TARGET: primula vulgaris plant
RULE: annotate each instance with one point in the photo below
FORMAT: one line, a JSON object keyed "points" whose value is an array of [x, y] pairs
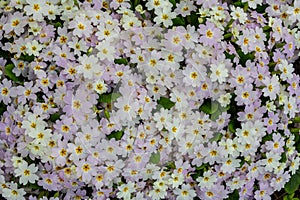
{"points": [[159, 99]]}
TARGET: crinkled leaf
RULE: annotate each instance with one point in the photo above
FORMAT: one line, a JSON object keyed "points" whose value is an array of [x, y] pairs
{"points": [[121, 61], [89, 51], [239, 4], [178, 21], [283, 158], [134, 3], [228, 35], [155, 158], [2, 108], [106, 114], [295, 130], [108, 98], [209, 107], [193, 19], [244, 57], [165, 102], [232, 125], [116, 134], [173, 2], [10, 74], [5, 54], [229, 56], [293, 184], [43, 194], [35, 186], [202, 167], [171, 165], [261, 8], [26, 57], [234, 195], [229, 25], [267, 137], [56, 195], [217, 137], [54, 117], [58, 24], [296, 120], [214, 116], [266, 28]]}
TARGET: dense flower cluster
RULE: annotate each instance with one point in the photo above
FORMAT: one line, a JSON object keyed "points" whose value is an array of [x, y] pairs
{"points": [[148, 99]]}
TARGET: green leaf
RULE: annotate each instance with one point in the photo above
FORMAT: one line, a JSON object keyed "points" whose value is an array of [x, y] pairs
{"points": [[5, 54], [108, 98], [171, 165], [56, 195], [217, 137], [246, 6], [54, 117], [2, 108], [10, 74], [121, 61], [283, 158], [173, 2], [58, 24], [35, 186], [229, 24], [209, 107], [89, 51], [216, 115], [193, 19], [267, 137], [295, 130], [266, 28], [76, 3], [106, 114], [229, 56], [261, 8], [41, 194], [293, 184], [155, 158], [165, 102], [228, 35], [135, 3], [202, 167], [26, 57], [290, 196], [178, 21], [232, 125], [116, 134], [244, 57], [233, 196], [296, 120]]}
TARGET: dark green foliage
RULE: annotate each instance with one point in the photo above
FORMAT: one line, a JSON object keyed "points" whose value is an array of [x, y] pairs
{"points": [[165, 102]]}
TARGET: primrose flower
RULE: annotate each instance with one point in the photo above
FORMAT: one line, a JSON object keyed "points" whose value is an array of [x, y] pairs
{"points": [[82, 27], [185, 193], [210, 35], [272, 87], [26, 173], [36, 9], [239, 14], [109, 99], [286, 69], [164, 16], [12, 192], [126, 190], [219, 72], [88, 66], [16, 23]]}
